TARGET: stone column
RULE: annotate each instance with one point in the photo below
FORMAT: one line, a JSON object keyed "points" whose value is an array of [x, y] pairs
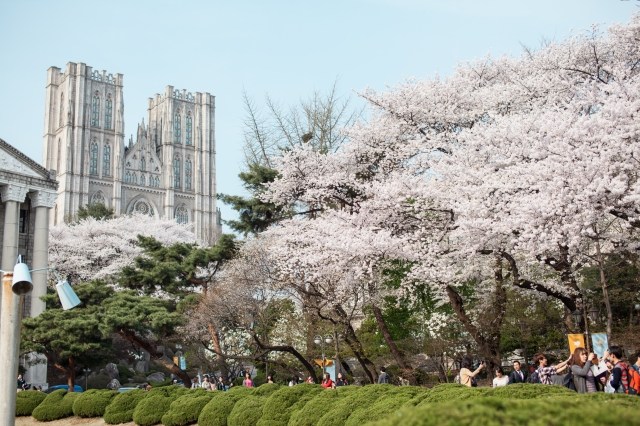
{"points": [[10, 312]]}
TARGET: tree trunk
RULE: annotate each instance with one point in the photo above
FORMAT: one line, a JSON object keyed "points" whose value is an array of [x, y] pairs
{"points": [[71, 377], [292, 351], [605, 291], [398, 355], [165, 360], [222, 362]]}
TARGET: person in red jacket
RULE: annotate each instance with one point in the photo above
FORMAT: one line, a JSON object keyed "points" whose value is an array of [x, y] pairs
{"points": [[327, 383]]}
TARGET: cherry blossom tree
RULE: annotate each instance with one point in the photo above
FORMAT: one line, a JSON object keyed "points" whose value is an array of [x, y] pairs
{"points": [[513, 171]]}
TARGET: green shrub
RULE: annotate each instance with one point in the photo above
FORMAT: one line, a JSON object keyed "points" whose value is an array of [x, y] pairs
{"points": [[247, 411], [57, 405], [186, 409], [98, 382], [266, 389], [492, 411], [365, 397], [387, 404], [122, 406], [150, 410], [216, 412], [28, 400], [138, 379], [286, 401], [313, 410], [125, 373], [454, 392], [529, 391], [92, 403]]}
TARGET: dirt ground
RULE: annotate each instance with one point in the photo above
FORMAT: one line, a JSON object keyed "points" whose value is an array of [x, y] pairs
{"points": [[71, 421]]}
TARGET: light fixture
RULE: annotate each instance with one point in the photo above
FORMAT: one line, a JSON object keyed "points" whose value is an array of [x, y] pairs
{"points": [[317, 340], [593, 313], [328, 339], [577, 315], [21, 279]]}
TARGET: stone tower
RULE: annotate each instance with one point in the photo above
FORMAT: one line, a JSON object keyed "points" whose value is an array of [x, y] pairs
{"points": [[167, 171]]}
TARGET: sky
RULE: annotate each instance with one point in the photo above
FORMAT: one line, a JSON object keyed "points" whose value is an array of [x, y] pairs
{"points": [[284, 48]]}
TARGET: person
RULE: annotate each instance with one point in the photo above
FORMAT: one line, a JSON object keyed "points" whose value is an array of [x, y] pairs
{"points": [[39, 389], [293, 381], [402, 381], [148, 388], [309, 380], [619, 375], [174, 382], [500, 379], [206, 384], [384, 376], [327, 383], [220, 384], [269, 379], [333, 385], [196, 383], [607, 378], [466, 376], [517, 375], [583, 378], [557, 379], [544, 372], [247, 380], [636, 364], [341, 381], [21, 383]]}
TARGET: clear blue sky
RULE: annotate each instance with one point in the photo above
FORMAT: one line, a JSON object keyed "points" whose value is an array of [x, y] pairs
{"points": [[284, 48]]}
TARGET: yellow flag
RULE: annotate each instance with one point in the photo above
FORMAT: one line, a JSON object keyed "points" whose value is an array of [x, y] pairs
{"points": [[576, 341], [327, 362]]}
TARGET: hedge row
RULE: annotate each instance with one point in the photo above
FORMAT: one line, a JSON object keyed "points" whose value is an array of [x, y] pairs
{"points": [[311, 405]]}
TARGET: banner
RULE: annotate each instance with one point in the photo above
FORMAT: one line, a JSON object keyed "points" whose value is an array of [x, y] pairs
{"points": [[600, 343], [576, 341]]}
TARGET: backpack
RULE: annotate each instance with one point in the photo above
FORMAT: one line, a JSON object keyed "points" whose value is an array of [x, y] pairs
{"points": [[634, 381], [534, 378], [624, 377], [567, 381]]}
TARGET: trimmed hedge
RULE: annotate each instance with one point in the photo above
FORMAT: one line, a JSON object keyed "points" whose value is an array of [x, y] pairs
{"points": [[150, 410], [339, 413], [387, 404], [453, 392], [57, 405], [286, 401], [27, 401], [216, 412], [186, 409], [123, 405], [311, 413], [93, 402], [620, 410], [247, 411]]}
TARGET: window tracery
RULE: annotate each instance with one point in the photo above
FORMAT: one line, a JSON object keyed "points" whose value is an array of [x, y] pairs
{"points": [[177, 130], [93, 159], [189, 137], [61, 120], [143, 180], [108, 113], [182, 215], [142, 206], [98, 198], [143, 164], [95, 110], [106, 160], [187, 174], [176, 171]]}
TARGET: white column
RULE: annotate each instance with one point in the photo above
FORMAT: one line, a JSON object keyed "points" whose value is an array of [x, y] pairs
{"points": [[10, 311], [41, 202]]}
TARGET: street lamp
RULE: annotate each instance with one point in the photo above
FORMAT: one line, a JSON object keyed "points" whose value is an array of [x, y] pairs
{"points": [[593, 313], [18, 283], [318, 340]]}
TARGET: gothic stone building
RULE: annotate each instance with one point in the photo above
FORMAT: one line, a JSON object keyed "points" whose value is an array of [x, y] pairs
{"points": [[167, 172]]}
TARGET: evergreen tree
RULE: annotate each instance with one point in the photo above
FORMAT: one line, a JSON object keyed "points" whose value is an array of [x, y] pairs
{"points": [[97, 211], [70, 340]]}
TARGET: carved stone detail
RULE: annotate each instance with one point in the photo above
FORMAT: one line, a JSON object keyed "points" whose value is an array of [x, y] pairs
{"points": [[12, 164], [43, 199], [13, 192]]}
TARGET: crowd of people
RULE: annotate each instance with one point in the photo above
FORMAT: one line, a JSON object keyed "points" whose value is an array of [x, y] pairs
{"points": [[585, 372]]}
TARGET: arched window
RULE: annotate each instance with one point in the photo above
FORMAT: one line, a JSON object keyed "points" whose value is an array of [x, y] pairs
{"points": [[61, 123], [189, 140], [106, 160], [176, 171], [127, 177], [134, 178], [187, 174], [98, 198], [95, 110], [177, 129], [156, 182], [143, 164], [108, 113], [182, 216], [93, 159], [59, 159], [143, 180]]}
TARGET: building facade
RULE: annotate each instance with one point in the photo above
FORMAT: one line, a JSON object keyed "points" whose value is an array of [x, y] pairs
{"points": [[28, 193], [167, 171]]}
